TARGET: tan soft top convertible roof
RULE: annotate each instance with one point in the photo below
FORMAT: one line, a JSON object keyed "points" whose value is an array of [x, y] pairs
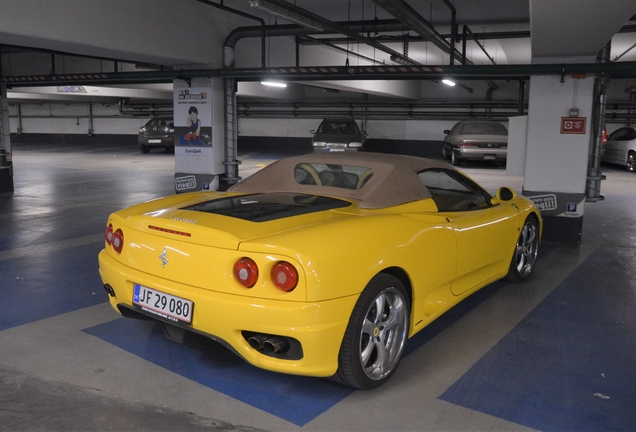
{"points": [[394, 180]]}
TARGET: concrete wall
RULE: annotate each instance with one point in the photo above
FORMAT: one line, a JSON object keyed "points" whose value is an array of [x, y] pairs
{"points": [[55, 118]]}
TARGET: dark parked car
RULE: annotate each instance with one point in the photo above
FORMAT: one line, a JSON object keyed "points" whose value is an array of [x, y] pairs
{"points": [[621, 148], [158, 132], [337, 134], [476, 140]]}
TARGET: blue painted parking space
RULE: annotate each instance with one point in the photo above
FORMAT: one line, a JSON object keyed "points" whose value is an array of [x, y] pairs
{"points": [[296, 399], [569, 365], [49, 283], [293, 398]]}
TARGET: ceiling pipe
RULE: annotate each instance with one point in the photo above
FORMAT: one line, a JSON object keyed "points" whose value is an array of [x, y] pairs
{"points": [[453, 37], [303, 104], [285, 14], [632, 99], [337, 48], [245, 15], [314, 109], [418, 38], [382, 115], [295, 30], [412, 19], [466, 31], [522, 97], [337, 28], [594, 175], [389, 25]]}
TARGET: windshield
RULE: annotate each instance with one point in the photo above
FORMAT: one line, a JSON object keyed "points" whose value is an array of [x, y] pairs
{"points": [[336, 127]]}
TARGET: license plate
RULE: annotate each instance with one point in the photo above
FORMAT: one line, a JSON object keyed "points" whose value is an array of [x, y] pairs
{"points": [[167, 306], [489, 157], [154, 141], [336, 150]]}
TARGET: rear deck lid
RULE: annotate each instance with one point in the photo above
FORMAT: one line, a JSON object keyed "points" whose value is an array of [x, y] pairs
{"points": [[227, 221]]}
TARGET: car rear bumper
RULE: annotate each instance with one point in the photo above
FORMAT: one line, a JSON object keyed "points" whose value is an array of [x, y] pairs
{"points": [[476, 153], [318, 326], [336, 148], [156, 141]]}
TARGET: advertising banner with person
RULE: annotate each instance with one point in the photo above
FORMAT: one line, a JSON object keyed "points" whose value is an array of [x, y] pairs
{"points": [[194, 155]]}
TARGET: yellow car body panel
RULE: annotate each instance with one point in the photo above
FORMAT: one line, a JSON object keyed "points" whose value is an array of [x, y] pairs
{"points": [[441, 258], [224, 316]]}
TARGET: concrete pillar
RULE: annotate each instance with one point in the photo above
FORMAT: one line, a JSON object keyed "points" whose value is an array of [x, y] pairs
{"points": [[517, 139], [199, 134], [6, 153], [557, 152]]}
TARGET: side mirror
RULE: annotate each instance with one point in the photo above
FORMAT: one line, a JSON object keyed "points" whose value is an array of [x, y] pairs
{"points": [[504, 194], [312, 131], [446, 131]]}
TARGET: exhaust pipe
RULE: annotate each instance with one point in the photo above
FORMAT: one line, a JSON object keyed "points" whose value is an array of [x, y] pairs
{"points": [[257, 340], [275, 344], [282, 347], [109, 290]]}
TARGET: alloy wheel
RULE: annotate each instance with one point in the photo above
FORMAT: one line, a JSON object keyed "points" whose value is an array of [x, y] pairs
{"points": [[383, 335], [526, 250]]}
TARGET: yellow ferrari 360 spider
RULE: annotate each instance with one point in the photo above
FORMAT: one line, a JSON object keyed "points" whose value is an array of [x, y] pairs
{"points": [[322, 264]]}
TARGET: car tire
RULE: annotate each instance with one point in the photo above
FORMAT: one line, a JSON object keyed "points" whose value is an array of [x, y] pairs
{"points": [[144, 149], [631, 162], [455, 161], [524, 257], [445, 153], [376, 335]]}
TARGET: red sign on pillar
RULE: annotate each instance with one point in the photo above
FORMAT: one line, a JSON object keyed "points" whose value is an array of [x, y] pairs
{"points": [[573, 125]]}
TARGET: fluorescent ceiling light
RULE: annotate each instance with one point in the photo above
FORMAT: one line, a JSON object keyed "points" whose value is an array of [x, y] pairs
{"points": [[286, 14], [274, 84], [448, 82]]}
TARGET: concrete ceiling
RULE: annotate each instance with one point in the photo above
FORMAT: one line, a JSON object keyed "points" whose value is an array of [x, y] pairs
{"points": [[575, 28], [561, 30]]}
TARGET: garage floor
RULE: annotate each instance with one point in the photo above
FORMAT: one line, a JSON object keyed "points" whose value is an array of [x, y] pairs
{"points": [[555, 353]]}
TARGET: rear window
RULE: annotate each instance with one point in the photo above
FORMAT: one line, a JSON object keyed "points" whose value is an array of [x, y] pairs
{"points": [[482, 129], [332, 175], [267, 207], [157, 121]]}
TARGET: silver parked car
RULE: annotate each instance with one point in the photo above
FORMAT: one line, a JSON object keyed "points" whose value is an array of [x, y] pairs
{"points": [[337, 134], [476, 140], [621, 148]]}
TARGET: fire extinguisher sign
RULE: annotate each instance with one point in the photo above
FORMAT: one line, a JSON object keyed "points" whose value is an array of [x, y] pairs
{"points": [[573, 125]]}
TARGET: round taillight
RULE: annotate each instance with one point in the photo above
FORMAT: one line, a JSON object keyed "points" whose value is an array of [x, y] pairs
{"points": [[285, 276], [246, 271], [118, 241], [108, 234]]}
